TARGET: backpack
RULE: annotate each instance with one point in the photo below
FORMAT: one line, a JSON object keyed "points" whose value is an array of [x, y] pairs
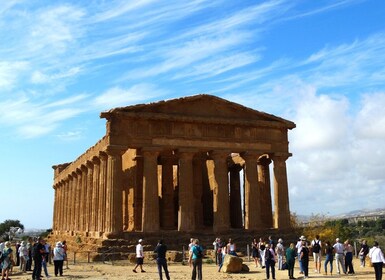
{"points": [[316, 247], [199, 253], [269, 255]]}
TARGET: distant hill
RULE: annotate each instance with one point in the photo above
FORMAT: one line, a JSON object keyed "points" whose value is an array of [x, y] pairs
{"points": [[348, 215]]}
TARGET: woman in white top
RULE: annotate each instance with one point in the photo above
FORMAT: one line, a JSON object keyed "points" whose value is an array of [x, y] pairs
{"points": [[58, 258], [377, 258], [23, 254], [231, 248]]}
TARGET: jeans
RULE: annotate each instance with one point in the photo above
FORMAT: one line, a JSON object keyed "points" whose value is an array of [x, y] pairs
{"points": [[340, 260], [44, 265], [280, 262], [305, 266], [197, 266], [37, 268], [300, 262], [162, 262], [349, 262], [270, 264], [329, 259], [378, 270]]}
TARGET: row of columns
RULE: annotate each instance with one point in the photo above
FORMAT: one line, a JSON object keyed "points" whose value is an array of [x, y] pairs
{"points": [[90, 198]]}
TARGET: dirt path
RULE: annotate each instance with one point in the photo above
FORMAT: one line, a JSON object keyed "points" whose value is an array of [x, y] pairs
{"points": [[120, 271]]}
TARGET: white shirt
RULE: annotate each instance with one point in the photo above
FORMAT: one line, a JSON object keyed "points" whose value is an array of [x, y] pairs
{"points": [[376, 255], [2, 245], [139, 251], [299, 246]]}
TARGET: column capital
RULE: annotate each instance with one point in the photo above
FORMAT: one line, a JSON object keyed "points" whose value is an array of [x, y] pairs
{"points": [[250, 155], [186, 153], [115, 150], [280, 157], [103, 155], [264, 160], [219, 154], [84, 168], [89, 164], [95, 160]]}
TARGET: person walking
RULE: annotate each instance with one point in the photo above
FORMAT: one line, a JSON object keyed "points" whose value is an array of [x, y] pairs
{"points": [[304, 256], [299, 248], [270, 261], [364, 250], [316, 247], [139, 256], [38, 252], [23, 254], [378, 260], [291, 253], [329, 253], [195, 260], [58, 259], [161, 260], [339, 255]]}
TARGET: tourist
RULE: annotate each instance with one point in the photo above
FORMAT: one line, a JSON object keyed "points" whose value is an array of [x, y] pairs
{"points": [[316, 246], [349, 257], [161, 260], [269, 261], [38, 251], [23, 255], [139, 256], [280, 252], [6, 265], [58, 259], [364, 250], [377, 258], [65, 248], [195, 260], [304, 257], [329, 253], [231, 248], [17, 246], [262, 247], [44, 259], [291, 253], [28, 266], [299, 247], [217, 249], [255, 251], [272, 243], [223, 254], [339, 256], [191, 244]]}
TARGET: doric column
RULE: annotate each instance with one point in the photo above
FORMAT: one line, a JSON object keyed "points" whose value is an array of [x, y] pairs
{"points": [[220, 186], [186, 221], [61, 206], [138, 194], [83, 198], [150, 209], [102, 192], [89, 194], [65, 204], [114, 211], [95, 194], [74, 212], [167, 210], [54, 220], [264, 182], [78, 200], [198, 161], [281, 192], [235, 197], [252, 193], [69, 202]]}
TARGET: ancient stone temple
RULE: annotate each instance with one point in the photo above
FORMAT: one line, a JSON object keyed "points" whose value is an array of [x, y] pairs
{"points": [[187, 164]]}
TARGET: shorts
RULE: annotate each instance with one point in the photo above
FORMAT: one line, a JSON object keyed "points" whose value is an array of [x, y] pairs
{"points": [[317, 257], [139, 260]]}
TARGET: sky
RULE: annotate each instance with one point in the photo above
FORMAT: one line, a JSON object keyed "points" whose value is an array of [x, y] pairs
{"points": [[320, 64]]}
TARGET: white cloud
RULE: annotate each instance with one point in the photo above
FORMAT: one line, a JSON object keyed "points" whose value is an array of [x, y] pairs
{"points": [[119, 97], [10, 72]]}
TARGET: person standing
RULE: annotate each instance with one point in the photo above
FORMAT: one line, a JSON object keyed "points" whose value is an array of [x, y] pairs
{"points": [[262, 248], [58, 258], [339, 254], [65, 248], [363, 252], [217, 247], [161, 260], [17, 246], [349, 257], [6, 265], [304, 256], [139, 256], [378, 260], [291, 253], [255, 251], [299, 247], [270, 261], [329, 252], [23, 254], [29, 261], [280, 252], [38, 252], [316, 247], [231, 248], [195, 260]]}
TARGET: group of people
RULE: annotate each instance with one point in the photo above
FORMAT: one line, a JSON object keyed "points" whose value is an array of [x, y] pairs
{"points": [[36, 252]]}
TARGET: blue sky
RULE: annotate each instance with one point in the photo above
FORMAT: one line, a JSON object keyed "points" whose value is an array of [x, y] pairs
{"points": [[318, 63]]}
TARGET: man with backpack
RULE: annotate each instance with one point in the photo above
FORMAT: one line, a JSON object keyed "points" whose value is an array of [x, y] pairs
{"points": [[316, 246], [195, 260]]}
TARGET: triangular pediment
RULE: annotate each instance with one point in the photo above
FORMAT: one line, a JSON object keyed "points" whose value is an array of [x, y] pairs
{"points": [[203, 106]]}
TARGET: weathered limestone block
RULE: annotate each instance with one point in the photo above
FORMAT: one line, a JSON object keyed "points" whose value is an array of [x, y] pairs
{"points": [[174, 256], [232, 264], [245, 268]]}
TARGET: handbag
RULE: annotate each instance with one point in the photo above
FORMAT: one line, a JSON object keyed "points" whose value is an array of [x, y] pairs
{"points": [[284, 266]]}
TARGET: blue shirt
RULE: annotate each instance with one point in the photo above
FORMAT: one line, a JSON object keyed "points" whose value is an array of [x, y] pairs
{"points": [[195, 249]]}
